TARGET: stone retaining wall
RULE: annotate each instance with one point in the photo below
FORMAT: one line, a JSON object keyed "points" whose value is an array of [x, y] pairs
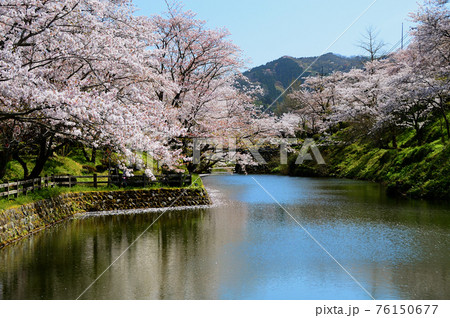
{"points": [[22, 221]]}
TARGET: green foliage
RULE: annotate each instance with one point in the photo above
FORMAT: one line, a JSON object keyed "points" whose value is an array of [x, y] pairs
{"points": [[276, 76], [31, 197], [73, 163], [411, 170], [70, 161], [63, 165], [44, 194], [197, 182], [14, 171]]}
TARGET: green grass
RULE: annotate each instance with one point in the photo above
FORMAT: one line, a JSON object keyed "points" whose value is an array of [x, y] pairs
{"points": [[14, 171], [197, 182], [419, 171], [45, 194], [63, 166], [30, 198], [412, 170], [70, 162]]}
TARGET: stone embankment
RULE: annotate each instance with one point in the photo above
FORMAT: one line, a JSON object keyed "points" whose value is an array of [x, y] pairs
{"points": [[20, 222]]}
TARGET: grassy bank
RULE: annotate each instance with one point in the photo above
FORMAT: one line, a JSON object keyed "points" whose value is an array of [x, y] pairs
{"points": [[65, 162], [45, 194], [412, 170], [73, 162]]}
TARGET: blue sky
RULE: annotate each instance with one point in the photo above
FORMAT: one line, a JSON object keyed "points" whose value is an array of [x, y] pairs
{"points": [[266, 30]]}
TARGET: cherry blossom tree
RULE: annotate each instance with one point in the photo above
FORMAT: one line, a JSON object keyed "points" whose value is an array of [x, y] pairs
{"points": [[315, 100], [91, 72], [205, 90], [417, 84], [76, 71], [406, 92], [431, 47]]}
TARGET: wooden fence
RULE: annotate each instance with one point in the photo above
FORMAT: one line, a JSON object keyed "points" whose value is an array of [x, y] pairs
{"points": [[15, 189], [223, 171]]}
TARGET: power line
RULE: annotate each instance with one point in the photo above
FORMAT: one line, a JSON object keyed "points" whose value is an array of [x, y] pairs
{"points": [[402, 43]]}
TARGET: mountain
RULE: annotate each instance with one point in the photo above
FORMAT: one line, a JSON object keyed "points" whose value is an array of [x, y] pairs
{"points": [[276, 76]]}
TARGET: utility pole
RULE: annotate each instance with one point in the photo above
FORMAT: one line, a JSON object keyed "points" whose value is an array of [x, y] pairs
{"points": [[402, 34]]}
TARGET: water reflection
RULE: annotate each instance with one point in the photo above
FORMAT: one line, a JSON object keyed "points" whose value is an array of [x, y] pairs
{"points": [[246, 247]]}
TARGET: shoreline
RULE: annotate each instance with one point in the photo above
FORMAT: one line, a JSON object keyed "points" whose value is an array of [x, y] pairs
{"points": [[21, 222]]}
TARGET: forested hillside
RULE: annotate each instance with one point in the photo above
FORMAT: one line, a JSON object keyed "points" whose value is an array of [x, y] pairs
{"points": [[276, 76]]}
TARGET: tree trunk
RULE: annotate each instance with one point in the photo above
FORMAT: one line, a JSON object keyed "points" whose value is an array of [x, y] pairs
{"points": [[418, 130], [442, 103], [94, 155], [44, 153], [394, 141], [85, 154], [46, 150], [190, 167], [23, 164], [419, 137], [447, 124], [5, 158]]}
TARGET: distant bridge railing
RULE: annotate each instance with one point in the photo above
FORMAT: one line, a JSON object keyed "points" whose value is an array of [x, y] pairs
{"points": [[17, 188], [223, 171]]}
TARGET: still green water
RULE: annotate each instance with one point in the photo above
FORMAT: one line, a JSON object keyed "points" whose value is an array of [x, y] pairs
{"points": [[245, 247]]}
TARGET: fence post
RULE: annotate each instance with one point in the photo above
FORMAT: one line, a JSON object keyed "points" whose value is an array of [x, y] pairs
{"points": [[7, 190], [70, 181], [95, 181], [16, 195], [40, 183], [52, 181]]}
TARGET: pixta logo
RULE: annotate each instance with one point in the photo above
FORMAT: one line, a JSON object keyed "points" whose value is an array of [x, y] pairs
{"points": [[227, 150]]}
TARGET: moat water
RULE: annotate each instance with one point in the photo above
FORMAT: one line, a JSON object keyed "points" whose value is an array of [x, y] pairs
{"points": [[273, 243]]}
